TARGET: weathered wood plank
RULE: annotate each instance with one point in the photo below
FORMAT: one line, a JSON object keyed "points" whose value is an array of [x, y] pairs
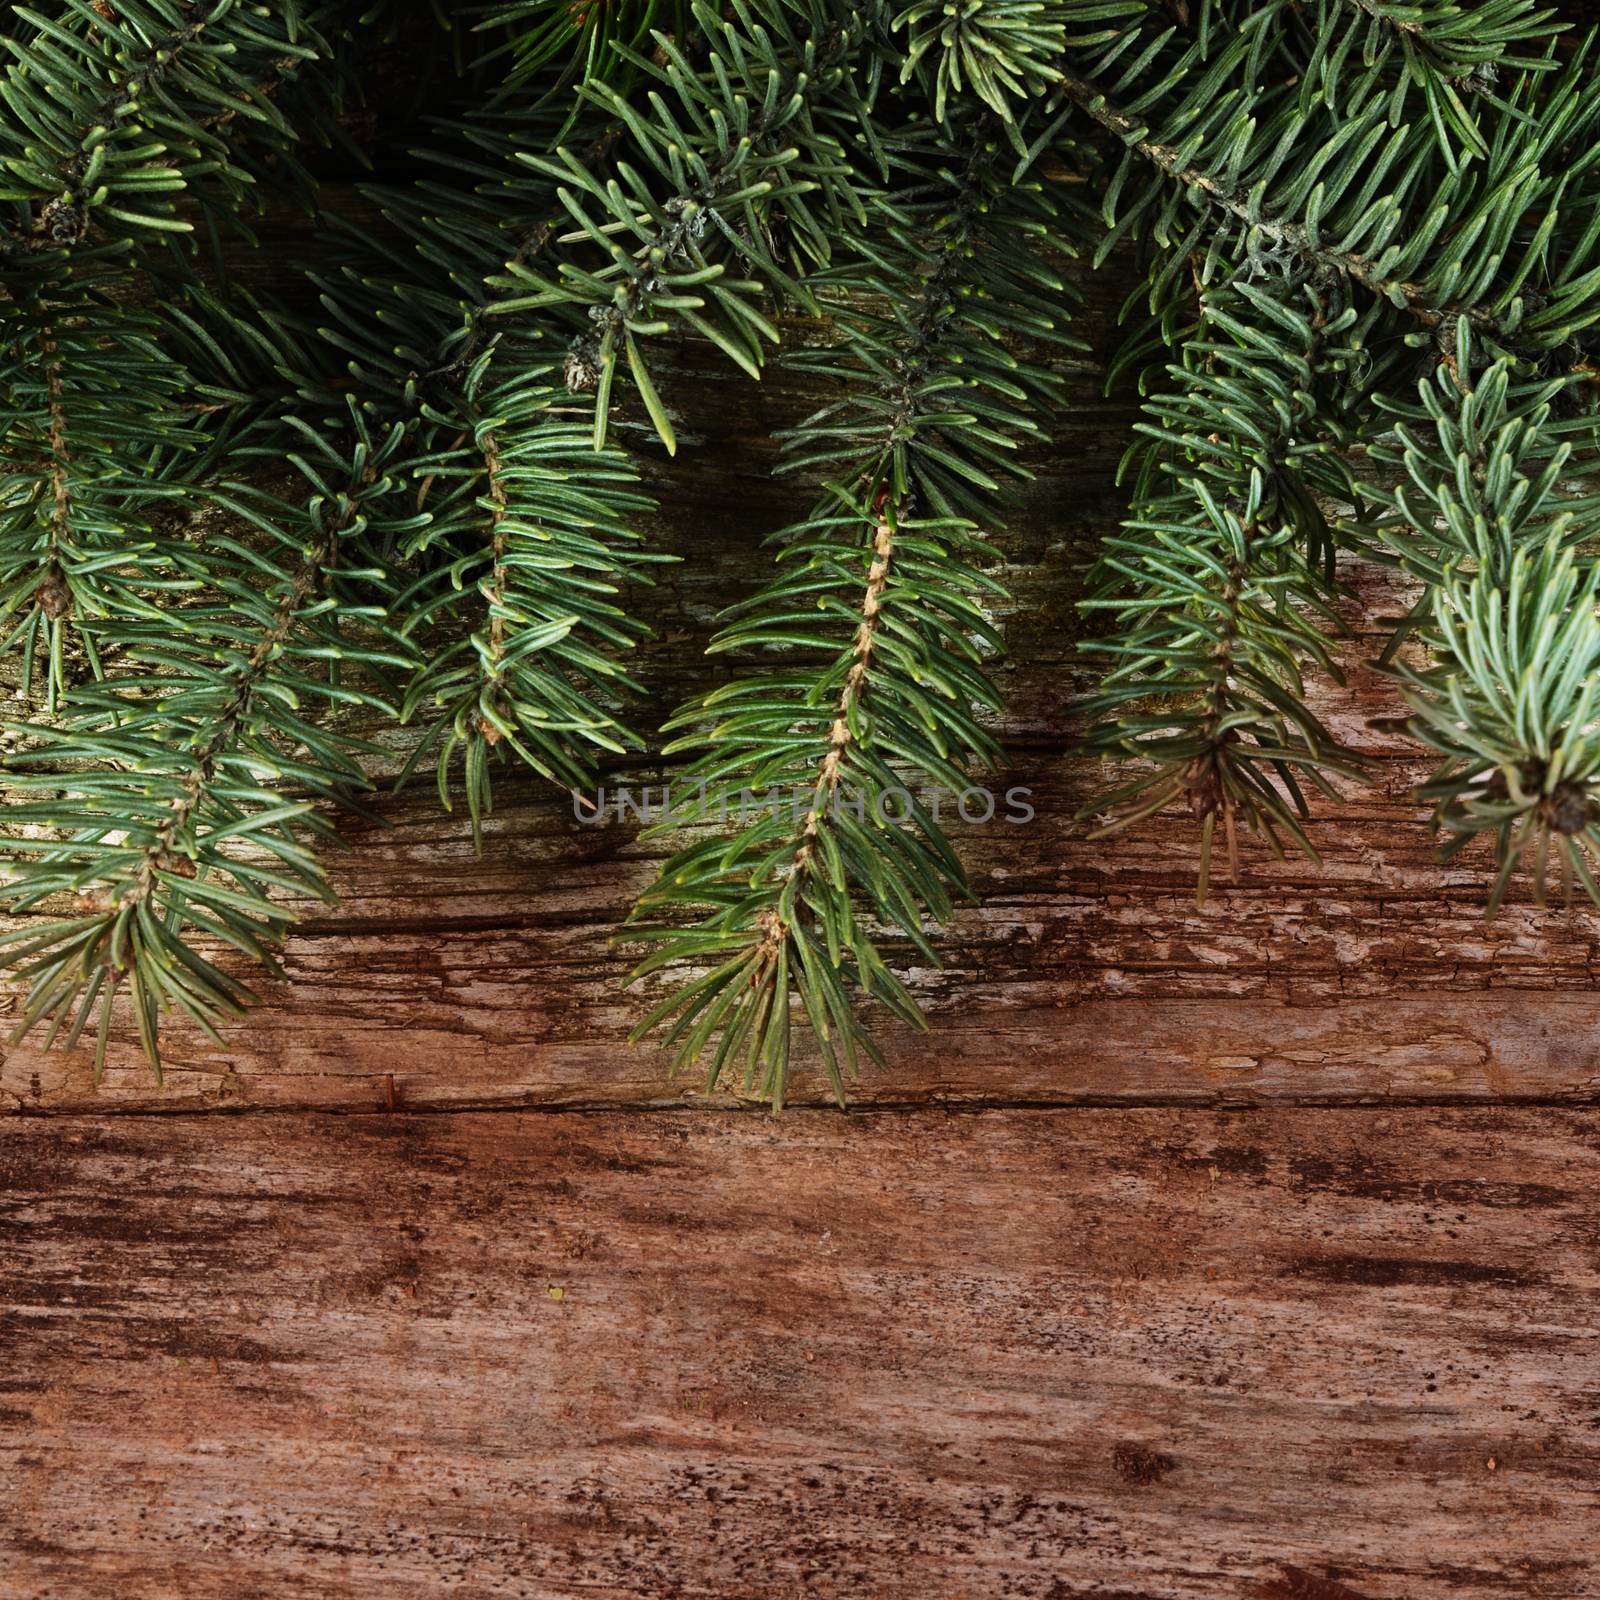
{"points": [[1149, 1354], [1086, 973]]}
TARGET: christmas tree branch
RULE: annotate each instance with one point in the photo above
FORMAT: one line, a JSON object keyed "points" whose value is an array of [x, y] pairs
{"points": [[127, 109], [787, 905], [544, 532], [1248, 207], [89, 413], [524, 532], [722, 152], [1271, 168], [156, 813], [1221, 573], [1505, 690]]}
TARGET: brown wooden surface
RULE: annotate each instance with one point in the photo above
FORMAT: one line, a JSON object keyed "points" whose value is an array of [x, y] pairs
{"points": [[1024, 1354], [1084, 1333]]}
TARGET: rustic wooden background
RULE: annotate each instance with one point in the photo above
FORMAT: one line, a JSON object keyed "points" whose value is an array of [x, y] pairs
{"points": [[1250, 1250]]}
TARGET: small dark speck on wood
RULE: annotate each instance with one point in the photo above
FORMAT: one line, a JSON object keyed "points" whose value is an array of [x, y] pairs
{"points": [[1298, 1584], [1139, 1464]]}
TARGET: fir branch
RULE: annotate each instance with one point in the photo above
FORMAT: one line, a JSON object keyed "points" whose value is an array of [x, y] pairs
{"points": [[1512, 708], [1262, 174], [1244, 205], [1505, 692], [724, 149], [786, 907], [540, 531], [1221, 575], [53, 596], [499, 548], [119, 115], [89, 414], [1473, 473], [157, 813], [526, 533]]}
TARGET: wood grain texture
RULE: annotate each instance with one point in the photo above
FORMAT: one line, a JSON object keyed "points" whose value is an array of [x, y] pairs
{"points": [[1125, 1354]]}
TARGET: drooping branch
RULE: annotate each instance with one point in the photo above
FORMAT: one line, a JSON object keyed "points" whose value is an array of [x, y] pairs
{"points": [[789, 906]]}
